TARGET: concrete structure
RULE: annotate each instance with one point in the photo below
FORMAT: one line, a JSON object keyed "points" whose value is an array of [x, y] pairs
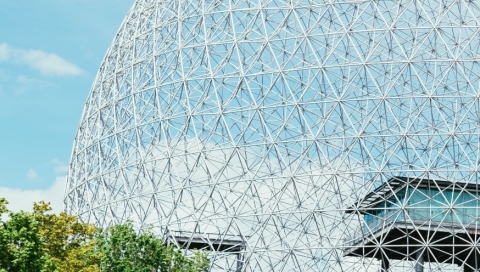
{"points": [[212, 242], [420, 219]]}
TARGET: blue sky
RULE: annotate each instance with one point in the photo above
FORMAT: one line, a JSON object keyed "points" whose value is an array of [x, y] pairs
{"points": [[50, 51]]}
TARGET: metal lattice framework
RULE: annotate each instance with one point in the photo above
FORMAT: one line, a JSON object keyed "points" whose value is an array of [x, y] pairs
{"points": [[257, 128]]}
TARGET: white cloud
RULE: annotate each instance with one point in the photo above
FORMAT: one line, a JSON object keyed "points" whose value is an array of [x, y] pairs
{"points": [[59, 166], [49, 64], [25, 83], [46, 63], [23, 199], [32, 174], [4, 52], [61, 169]]}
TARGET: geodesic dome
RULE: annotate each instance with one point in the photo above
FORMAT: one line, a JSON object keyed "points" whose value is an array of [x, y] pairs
{"points": [[259, 130]]}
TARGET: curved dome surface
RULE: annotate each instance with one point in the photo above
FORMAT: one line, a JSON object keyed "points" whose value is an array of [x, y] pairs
{"points": [[254, 127]]}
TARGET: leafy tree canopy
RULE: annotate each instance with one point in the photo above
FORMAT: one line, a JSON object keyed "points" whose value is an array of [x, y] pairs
{"points": [[42, 241], [126, 251], [46, 242]]}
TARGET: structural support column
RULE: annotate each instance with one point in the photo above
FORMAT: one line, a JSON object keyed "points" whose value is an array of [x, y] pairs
{"points": [[385, 263], [467, 268], [239, 262], [473, 263], [420, 261]]}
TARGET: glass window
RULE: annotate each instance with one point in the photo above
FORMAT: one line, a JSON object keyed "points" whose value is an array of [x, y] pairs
{"points": [[466, 207], [419, 204], [385, 212], [426, 204], [437, 206]]}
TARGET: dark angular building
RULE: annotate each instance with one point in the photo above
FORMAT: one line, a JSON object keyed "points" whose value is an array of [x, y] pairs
{"points": [[422, 220]]}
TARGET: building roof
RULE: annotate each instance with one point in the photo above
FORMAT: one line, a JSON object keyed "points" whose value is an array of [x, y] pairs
{"points": [[397, 183]]}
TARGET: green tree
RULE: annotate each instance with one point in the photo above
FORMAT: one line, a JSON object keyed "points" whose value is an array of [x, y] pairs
{"points": [[45, 242], [21, 246], [124, 250], [69, 243]]}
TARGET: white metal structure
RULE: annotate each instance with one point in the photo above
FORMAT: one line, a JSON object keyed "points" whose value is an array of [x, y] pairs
{"points": [[254, 128]]}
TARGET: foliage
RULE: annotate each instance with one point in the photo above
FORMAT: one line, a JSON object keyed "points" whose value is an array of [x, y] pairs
{"points": [[70, 243], [21, 246], [124, 250], [46, 242]]}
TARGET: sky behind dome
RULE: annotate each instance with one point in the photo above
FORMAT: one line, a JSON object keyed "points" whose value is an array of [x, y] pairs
{"points": [[50, 52]]}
